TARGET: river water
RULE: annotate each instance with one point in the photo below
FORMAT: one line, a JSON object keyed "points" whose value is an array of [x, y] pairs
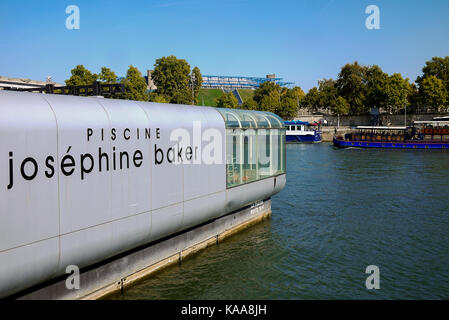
{"points": [[341, 211]]}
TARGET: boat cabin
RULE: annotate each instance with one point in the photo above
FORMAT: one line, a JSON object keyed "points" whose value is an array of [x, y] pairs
{"points": [[381, 134], [297, 127], [435, 130]]}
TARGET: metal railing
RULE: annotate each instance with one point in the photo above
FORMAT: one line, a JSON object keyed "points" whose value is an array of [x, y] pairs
{"points": [[95, 89]]}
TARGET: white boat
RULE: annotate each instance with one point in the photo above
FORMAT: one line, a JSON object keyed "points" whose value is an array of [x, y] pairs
{"points": [[301, 132]]}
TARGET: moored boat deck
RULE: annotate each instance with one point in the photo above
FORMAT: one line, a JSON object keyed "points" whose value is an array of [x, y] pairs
{"points": [[432, 135], [408, 144]]}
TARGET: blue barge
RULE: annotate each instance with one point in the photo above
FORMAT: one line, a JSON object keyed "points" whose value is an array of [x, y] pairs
{"points": [[422, 135]]}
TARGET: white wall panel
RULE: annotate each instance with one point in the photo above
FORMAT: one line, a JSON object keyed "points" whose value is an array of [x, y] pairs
{"points": [[203, 209], [166, 180], [86, 247], [166, 221], [25, 266], [246, 194], [130, 184], [83, 202], [28, 208], [131, 232]]}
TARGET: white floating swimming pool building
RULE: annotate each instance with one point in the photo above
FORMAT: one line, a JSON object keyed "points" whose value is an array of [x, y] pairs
{"points": [[86, 180]]}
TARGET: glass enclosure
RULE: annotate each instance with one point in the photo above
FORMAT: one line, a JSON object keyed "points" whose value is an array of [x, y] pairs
{"points": [[255, 145]]}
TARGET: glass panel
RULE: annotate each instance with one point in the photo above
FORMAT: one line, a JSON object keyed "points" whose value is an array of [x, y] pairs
{"points": [[250, 119], [278, 160], [262, 120], [264, 159], [275, 120], [283, 150], [233, 157], [250, 156]]}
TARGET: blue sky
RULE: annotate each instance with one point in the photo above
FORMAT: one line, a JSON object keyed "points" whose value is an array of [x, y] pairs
{"points": [[300, 41]]}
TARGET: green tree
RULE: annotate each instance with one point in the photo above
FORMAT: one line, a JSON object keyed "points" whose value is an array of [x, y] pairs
{"points": [[265, 89], [107, 76], [268, 96], [154, 97], [81, 77], [250, 104], [433, 93], [172, 77], [227, 100], [198, 82], [341, 106], [181, 96], [312, 100], [328, 93], [135, 85], [396, 92], [288, 109], [270, 102], [351, 86], [437, 67], [327, 98], [290, 102], [375, 82], [413, 95], [298, 94]]}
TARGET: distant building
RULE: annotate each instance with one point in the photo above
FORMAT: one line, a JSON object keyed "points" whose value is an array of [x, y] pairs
{"points": [[239, 82], [150, 83], [227, 82], [6, 82]]}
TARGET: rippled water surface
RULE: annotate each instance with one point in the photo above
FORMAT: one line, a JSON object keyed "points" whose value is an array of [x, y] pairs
{"points": [[341, 211]]}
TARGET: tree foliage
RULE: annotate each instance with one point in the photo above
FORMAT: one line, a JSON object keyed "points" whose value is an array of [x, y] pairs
{"points": [[172, 76], [328, 93], [290, 102], [135, 85], [351, 86], [430, 91], [375, 82], [395, 93], [341, 106], [250, 104], [81, 77], [312, 100], [437, 67], [266, 90], [107, 76], [433, 93], [197, 83], [283, 101], [154, 97], [227, 100], [359, 88]]}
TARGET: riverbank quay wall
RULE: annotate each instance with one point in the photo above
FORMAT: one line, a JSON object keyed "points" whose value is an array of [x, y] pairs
{"points": [[328, 133], [83, 180], [365, 120], [347, 122]]}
